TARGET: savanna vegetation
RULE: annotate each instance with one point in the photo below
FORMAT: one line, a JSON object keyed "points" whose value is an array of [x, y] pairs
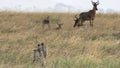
{"points": [[84, 47]]}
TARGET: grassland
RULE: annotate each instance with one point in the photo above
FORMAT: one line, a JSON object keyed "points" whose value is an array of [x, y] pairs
{"points": [[84, 47]]}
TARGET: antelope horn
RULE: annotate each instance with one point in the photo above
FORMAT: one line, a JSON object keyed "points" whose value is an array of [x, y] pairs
{"points": [[76, 17], [97, 2]]}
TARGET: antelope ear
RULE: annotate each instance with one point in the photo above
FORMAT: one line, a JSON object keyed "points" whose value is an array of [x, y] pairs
{"points": [[92, 2]]}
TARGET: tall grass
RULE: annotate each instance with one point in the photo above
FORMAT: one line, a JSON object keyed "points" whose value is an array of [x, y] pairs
{"points": [[84, 47]]}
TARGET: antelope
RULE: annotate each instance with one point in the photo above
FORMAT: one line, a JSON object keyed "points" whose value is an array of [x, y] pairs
{"points": [[46, 22], [90, 15]]}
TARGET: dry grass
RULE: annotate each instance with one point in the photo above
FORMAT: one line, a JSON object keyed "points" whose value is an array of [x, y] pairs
{"points": [[84, 47]]}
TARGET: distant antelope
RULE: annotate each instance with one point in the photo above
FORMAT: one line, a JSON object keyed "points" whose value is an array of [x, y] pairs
{"points": [[90, 15], [46, 22], [59, 26]]}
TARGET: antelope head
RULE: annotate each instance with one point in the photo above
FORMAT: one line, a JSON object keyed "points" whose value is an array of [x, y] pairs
{"points": [[76, 21], [76, 18], [95, 4]]}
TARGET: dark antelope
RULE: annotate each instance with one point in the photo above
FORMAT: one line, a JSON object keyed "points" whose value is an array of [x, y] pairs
{"points": [[90, 15], [46, 22]]}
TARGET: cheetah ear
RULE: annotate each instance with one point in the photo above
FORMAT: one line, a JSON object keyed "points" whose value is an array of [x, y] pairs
{"points": [[42, 43], [38, 44]]}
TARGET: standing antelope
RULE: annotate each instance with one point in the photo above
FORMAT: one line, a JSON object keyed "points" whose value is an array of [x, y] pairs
{"points": [[90, 15], [46, 22]]}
